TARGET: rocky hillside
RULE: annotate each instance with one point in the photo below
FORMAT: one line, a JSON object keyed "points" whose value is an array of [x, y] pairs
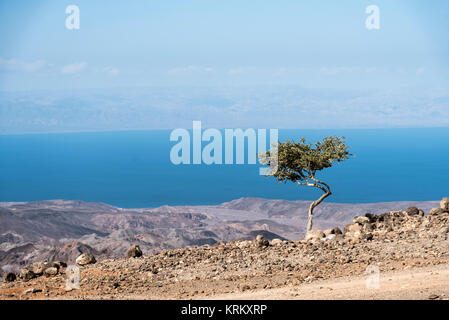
{"points": [[400, 239], [62, 229]]}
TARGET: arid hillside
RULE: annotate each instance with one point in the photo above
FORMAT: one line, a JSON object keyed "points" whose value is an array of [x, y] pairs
{"points": [[63, 229], [398, 244]]}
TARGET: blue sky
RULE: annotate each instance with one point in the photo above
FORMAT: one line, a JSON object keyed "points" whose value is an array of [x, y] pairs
{"points": [[162, 64], [319, 44]]}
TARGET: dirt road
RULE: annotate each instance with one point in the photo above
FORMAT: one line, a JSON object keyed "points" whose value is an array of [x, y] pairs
{"points": [[418, 283]]}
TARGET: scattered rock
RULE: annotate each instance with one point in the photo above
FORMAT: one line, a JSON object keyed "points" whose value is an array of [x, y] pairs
{"points": [[352, 228], [26, 274], [244, 244], [314, 235], [331, 236], [412, 211], [59, 264], [32, 290], [134, 252], [85, 258], [444, 204], [436, 212], [51, 271], [394, 240], [335, 230], [276, 242], [261, 241], [37, 268], [360, 220]]}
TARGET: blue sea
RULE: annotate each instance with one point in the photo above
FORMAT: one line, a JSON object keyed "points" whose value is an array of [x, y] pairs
{"points": [[133, 169]]}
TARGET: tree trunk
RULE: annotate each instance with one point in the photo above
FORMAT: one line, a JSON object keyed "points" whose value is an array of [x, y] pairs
{"points": [[312, 206]]}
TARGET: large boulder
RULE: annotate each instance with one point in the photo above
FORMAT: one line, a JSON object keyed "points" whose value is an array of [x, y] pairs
{"points": [[412, 211], [361, 220], [335, 231], [9, 277], [134, 252], [352, 228], [59, 264], [435, 211], [38, 268], [261, 241], [85, 258], [444, 204], [51, 271], [26, 274]]}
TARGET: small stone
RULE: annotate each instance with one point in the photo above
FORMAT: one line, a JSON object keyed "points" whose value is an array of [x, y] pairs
{"points": [[85, 258], [134, 252], [276, 242], [331, 236], [433, 297], [328, 232]]}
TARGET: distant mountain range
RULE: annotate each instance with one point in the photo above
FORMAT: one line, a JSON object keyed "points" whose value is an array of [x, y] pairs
{"points": [[282, 107], [62, 229]]}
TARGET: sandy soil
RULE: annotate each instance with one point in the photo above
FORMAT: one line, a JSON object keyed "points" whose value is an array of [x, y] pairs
{"points": [[417, 283]]}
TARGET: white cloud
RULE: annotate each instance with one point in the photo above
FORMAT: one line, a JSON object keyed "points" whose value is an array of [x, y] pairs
{"points": [[189, 70], [112, 71], [22, 66], [74, 68]]}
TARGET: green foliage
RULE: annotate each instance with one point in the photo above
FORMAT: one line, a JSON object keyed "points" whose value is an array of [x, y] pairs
{"points": [[298, 161]]}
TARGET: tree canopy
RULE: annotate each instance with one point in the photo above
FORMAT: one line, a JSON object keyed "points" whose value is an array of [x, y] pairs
{"points": [[299, 161]]}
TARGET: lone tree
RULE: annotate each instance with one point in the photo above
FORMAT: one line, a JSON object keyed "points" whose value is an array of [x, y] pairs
{"points": [[299, 162]]}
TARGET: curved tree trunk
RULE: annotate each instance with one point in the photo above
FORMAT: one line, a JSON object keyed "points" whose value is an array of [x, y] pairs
{"points": [[313, 205]]}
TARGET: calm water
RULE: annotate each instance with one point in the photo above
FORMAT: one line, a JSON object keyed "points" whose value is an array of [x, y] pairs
{"points": [[133, 169]]}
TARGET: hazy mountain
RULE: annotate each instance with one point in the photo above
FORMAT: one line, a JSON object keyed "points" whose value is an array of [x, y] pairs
{"points": [[62, 229], [280, 107]]}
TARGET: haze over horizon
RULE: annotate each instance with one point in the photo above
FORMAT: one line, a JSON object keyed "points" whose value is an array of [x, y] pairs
{"points": [[150, 65]]}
